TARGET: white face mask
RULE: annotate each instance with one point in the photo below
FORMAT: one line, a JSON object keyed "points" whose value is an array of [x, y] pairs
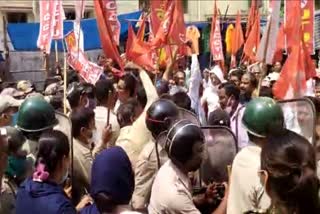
{"points": [[229, 106], [94, 137], [64, 178]]}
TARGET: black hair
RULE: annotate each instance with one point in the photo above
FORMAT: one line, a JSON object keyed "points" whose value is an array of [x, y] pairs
{"points": [[81, 118], [53, 146], [238, 73], [266, 92], [142, 96], [182, 100], [290, 161], [73, 95], [126, 112], [129, 83], [72, 76], [88, 89], [162, 87], [57, 102], [231, 90], [103, 88], [253, 79], [219, 117]]}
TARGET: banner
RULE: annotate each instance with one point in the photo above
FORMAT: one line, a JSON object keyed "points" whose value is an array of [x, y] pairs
{"points": [[89, 71], [47, 11], [59, 16], [106, 35], [307, 21], [110, 14], [216, 48]]}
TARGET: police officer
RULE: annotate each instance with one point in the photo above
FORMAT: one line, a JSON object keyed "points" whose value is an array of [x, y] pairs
{"points": [[159, 116], [36, 115], [262, 117], [172, 189]]}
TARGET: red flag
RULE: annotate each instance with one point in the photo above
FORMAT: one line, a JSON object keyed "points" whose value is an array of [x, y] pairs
{"points": [[253, 40], [109, 8], [142, 29], [237, 40], [158, 11], [299, 66], [172, 29], [106, 34], [215, 37], [252, 16], [139, 51], [280, 46]]}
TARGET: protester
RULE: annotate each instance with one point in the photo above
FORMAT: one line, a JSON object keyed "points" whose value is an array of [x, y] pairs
{"points": [[229, 98], [35, 116], [172, 189], [210, 99], [159, 116], [289, 174], [111, 187], [235, 76], [104, 112], [126, 88], [262, 117], [182, 100], [206, 81], [42, 192], [84, 137], [247, 86], [139, 118], [8, 110]]}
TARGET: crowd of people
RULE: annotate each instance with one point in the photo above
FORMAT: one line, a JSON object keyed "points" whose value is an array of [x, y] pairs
{"points": [[128, 148]]}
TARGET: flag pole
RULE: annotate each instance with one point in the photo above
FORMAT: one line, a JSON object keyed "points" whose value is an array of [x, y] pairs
{"points": [[56, 50]]}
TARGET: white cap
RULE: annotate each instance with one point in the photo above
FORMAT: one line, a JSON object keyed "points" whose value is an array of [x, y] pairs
{"points": [[7, 102], [12, 92], [218, 72]]}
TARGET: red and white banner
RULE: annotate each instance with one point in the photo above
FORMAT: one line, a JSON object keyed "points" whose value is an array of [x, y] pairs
{"points": [[89, 71], [307, 22], [216, 48], [59, 16], [110, 14], [47, 11]]}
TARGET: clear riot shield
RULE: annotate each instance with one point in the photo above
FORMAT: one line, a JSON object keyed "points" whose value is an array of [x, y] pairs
{"points": [[221, 148], [300, 117], [64, 125], [188, 115]]}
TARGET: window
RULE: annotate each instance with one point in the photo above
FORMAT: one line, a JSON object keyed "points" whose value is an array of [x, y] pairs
{"points": [[185, 6], [17, 17], [71, 15]]}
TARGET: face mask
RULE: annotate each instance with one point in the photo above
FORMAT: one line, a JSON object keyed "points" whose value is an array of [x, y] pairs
{"points": [[14, 119], [93, 138], [229, 106], [16, 166], [64, 178]]}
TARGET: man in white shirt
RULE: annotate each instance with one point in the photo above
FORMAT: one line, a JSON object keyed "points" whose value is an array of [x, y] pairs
{"points": [[210, 97], [262, 117], [104, 115]]}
